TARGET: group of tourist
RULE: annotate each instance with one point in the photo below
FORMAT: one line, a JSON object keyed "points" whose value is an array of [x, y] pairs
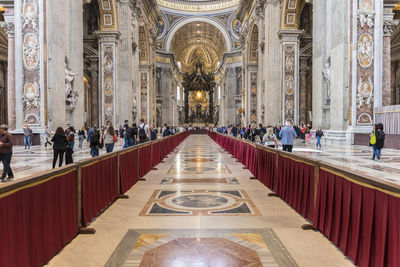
{"points": [[270, 135]]}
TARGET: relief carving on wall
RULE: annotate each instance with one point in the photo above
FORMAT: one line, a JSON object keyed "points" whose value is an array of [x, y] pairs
{"points": [[31, 60], [253, 96], [289, 81], [143, 95], [365, 60], [108, 81]]}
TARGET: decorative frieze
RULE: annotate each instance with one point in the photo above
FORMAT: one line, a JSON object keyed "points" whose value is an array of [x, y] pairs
{"points": [[289, 81], [143, 94], [253, 96]]}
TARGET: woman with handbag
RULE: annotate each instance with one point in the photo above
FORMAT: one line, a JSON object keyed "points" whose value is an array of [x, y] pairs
{"points": [[70, 145], [109, 139], [59, 146]]}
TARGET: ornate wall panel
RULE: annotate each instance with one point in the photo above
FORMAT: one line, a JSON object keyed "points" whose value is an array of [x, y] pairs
{"points": [[31, 59], [365, 62], [108, 81], [253, 96], [144, 83], [108, 15], [289, 52]]}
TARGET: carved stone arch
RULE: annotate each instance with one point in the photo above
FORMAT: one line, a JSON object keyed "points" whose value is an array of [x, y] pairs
{"points": [[108, 15], [291, 11]]}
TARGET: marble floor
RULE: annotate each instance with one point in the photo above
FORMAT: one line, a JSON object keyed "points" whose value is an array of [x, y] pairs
{"points": [[200, 208]]}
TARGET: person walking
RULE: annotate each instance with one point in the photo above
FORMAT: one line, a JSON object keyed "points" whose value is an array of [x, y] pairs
{"points": [[27, 136], [377, 141], [318, 134], [154, 132], [47, 137], [81, 137], [110, 138], [124, 133], [288, 134], [143, 132], [60, 142], [269, 139], [94, 142], [6, 147], [70, 146]]}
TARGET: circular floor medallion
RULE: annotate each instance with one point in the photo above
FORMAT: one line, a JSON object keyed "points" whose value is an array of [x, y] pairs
{"points": [[200, 201]]}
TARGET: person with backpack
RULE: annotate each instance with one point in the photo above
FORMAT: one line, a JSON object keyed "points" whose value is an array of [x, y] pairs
{"points": [[94, 142], [143, 132], [131, 135], [318, 134], [377, 141], [154, 132]]}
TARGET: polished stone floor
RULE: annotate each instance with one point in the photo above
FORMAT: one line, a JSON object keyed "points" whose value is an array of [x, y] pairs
{"points": [[200, 208]]}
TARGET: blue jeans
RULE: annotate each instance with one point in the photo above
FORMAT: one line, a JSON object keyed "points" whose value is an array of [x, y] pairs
{"points": [[81, 138], [125, 143], [319, 141], [131, 142], [94, 151], [27, 141], [109, 147], [376, 152]]}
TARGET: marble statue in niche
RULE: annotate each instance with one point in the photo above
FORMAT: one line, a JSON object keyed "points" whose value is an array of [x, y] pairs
{"points": [[326, 72], [31, 96], [31, 51], [365, 50], [30, 16], [71, 93]]}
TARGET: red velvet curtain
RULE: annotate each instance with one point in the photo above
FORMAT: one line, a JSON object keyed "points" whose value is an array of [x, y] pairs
{"points": [[99, 187], [295, 185], [363, 222], [145, 163], [252, 159], [156, 153], [37, 221], [128, 170], [266, 167]]}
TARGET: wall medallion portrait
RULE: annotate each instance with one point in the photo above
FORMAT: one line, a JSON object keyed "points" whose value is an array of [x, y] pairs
{"points": [[31, 51], [365, 50], [364, 119], [289, 84], [31, 96], [366, 5], [30, 15]]}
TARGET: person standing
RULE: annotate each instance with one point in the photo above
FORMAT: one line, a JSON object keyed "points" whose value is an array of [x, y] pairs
{"points": [[288, 134], [143, 132], [94, 142], [47, 136], [70, 146], [27, 136], [124, 134], [377, 141], [89, 133], [81, 137], [59, 146], [6, 147], [109, 139], [318, 134], [154, 132]]}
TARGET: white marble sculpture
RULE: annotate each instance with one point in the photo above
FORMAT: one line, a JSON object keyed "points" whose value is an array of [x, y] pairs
{"points": [[71, 93], [326, 72]]}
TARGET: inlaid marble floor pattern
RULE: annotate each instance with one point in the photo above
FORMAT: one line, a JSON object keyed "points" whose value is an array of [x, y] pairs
{"points": [[199, 208]]}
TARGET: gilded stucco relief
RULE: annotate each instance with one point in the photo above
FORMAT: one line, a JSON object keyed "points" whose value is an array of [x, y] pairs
{"points": [[108, 81], [289, 81]]}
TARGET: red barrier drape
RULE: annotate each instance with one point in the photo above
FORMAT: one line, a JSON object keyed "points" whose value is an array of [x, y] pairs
{"points": [[99, 187], [37, 221], [128, 169], [362, 221], [156, 153], [266, 167], [145, 162], [295, 185]]}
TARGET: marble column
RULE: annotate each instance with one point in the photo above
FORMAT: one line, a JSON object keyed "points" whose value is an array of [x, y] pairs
{"points": [[388, 94], [303, 90], [107, 75], [9, 28], [94, 87], [290, 78]]}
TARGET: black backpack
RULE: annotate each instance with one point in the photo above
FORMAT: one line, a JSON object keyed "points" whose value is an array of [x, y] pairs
{"points": [[142, 133]]}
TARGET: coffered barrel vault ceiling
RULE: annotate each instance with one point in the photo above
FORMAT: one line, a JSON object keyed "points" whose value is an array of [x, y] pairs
{"points": [[198, 41]]}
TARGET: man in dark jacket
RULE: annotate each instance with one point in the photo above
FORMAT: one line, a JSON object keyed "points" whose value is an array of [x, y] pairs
{"points": [[6, 145]]}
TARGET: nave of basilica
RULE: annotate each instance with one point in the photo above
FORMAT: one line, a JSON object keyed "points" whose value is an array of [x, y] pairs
{"points": [[193, 191]]}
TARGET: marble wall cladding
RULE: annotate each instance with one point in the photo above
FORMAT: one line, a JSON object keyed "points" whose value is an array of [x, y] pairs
{"points": [[365, 62], [253, 96], [31, 59], [143, 95], [200, 203], [108, 81]]}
